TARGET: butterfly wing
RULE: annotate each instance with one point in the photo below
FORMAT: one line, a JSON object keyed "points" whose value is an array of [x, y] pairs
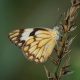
{"points": [[37, 44], [18, 36], [39, 51]]}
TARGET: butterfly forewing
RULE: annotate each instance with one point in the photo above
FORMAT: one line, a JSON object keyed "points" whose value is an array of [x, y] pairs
{"points": [[37, 44], [15, 36]]}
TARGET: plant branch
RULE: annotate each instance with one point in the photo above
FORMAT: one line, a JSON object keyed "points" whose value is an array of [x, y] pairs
{"points": [[65, 42]]}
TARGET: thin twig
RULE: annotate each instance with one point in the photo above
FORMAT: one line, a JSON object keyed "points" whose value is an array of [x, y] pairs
{"points": [[56, 72]]}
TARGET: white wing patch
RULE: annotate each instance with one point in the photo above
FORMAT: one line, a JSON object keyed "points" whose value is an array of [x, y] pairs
{"points": [[25, 34]]}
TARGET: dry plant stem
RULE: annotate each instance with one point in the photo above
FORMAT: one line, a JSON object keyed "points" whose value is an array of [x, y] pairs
{"points": [[67, 26], [58, 77], [56, 72]]}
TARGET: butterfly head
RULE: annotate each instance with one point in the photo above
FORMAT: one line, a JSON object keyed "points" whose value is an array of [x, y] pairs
{"points": [[56, 32]]}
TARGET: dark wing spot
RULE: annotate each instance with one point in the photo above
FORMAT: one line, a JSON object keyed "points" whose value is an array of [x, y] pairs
{"points": [[36, 29]]}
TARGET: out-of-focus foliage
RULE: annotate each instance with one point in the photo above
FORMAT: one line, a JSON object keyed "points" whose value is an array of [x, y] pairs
{"points": [[25, 14]]}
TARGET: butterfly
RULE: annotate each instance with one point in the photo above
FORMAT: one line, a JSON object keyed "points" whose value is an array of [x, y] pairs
{"points": [[36, 44]]}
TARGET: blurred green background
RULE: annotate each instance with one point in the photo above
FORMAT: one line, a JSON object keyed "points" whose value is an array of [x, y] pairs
{"points": [[25, 14]]}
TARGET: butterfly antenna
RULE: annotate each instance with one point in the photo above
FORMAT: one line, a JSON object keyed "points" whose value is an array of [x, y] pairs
{"points": [[57, 22]]}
